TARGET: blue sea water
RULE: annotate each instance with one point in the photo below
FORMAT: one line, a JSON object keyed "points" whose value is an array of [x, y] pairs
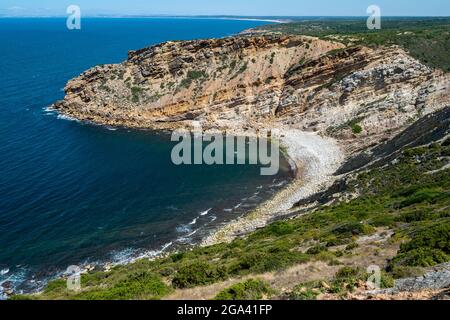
{"points": [[74, 193]]}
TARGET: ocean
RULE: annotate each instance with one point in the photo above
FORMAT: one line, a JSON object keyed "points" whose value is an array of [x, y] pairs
{"points": [[74, 193]]}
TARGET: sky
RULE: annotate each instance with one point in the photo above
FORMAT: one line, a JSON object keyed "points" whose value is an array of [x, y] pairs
{"points": [[226, 7]]}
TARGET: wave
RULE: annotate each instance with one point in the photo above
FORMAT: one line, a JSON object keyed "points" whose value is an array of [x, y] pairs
{"points": [[67, 118], [204, 213], [183, 229], [194, 221], [282, 183], [131, 255], [187, 238], [49, 111], [14, 280]]}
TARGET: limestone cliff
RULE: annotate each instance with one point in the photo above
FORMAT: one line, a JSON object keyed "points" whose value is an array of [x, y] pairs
{"points": [[356, 94]]}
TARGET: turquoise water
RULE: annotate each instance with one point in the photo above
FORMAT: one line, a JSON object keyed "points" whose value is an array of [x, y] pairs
{"points": [[74, 193]]}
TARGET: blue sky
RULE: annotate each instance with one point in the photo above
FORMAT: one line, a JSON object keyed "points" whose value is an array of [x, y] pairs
{"points": [[227, 7]]}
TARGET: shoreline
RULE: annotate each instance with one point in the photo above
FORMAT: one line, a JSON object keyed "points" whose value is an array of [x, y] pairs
{"points": [[316, 159], [313, 160]]}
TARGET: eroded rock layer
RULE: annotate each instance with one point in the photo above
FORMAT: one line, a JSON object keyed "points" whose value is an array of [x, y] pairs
{"points": [[241, 83]]}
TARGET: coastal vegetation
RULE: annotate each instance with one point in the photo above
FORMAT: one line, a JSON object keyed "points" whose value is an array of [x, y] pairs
{"points": [[426, 39], [248, 290], [407, 199]]}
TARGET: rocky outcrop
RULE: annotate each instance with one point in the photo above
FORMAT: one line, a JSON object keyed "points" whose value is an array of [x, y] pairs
{"points": [[168, 85], [357, 95], [434, 285]]}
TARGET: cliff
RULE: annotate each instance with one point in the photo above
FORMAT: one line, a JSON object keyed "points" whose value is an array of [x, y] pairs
{"points": [[267, 81]]}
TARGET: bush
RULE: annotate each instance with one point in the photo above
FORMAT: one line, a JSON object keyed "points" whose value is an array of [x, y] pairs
{"points": [[352, 229], [271, 259], [446, 142], [356, 128], [197, 274], [352, 246], [142, 285], [280, 228], [248, 290], [421, 257], [413, 216], [401, 272], [422, 195], [316, 249], [428, 247], [306, 291], [384, 220], [347, 272], [194, 75], [436, 237]]}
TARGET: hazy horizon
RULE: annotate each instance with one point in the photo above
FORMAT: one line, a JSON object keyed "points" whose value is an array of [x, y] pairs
{"points": [[240, 8], [256, 17]]}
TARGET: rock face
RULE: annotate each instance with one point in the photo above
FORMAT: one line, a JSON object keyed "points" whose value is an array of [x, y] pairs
{"points": [[358, 95]]}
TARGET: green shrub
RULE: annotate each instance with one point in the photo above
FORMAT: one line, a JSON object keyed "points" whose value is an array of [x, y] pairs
{"points": [[141, 285], [413, 216], [56, 285], [198, 274], [446, 142], [352, 229], [280, 228], [401, 272], [428, 246], [306, 291], [356, 128], [436, 237], [383, 220], [347, 272], [316, 249], [422, 257], [194, 74], [136, 90], [352, 246], [422, 195], [272, 57], [248, 290], [272, 258]]}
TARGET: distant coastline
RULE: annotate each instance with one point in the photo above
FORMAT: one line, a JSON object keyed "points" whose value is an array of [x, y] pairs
{"points": [[238, 18]]}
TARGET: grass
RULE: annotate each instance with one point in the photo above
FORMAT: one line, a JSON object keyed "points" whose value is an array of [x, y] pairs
{"points": [[401, 196]]}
